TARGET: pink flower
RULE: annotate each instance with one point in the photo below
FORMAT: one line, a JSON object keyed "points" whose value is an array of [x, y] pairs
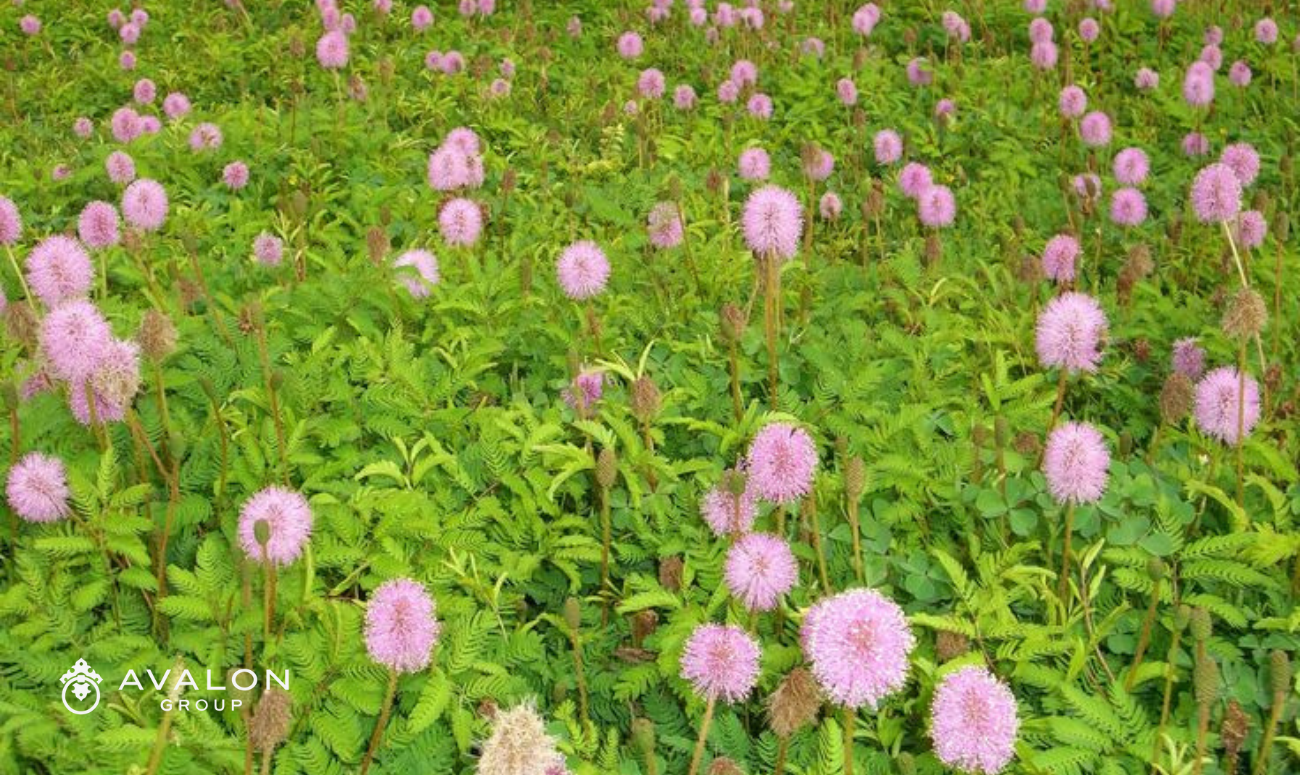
{"points": [[1163, 9], [1044, 55], [629, 45], [1198, 85], [144, 203], [401, 625], [818, 165], [727, 512], [721, 662], [887, 146], [58, 269], [268, 249], [1040, 31], [460, 221], [1266, 31], [1218, 404], [97, 225], [1251, 229], [1131, 166], [125, 124], [847, 91], [684, 97], [830, 207], [283, 519], [1244, 161], [120, 168], [30, 25], [760, 569], [781, 462], [420, 282], [772, 222], [1128, 207], [1212, 55], [584, 391], [759, 106], [205, 137], [744, 73], [914, 179], [1195, 144], [176, 105], [650, 84], [583, 270], [74, 338], [973, 721], [917, 74], [332, 50], [1095, 129], [664, 226], [421, 18], [11, 222], [1059, 257], [728, 91], [37, 488], [865, 19], [1070, 333], [1072, 102], [754, 164], [1089, 29], [1239, 74], [1075, 462], [144, 91], [235, 175], [112, 385], [858, 643], [83, 127], [936, 207], [1146, 79], [1216, 194], [1188, 358]]}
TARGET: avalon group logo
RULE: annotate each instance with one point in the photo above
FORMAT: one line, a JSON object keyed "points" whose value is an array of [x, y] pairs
{"points": [[82, 680]]}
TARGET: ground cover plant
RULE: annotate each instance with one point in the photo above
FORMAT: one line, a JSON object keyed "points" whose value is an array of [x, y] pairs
{"points": [[531, 387]]}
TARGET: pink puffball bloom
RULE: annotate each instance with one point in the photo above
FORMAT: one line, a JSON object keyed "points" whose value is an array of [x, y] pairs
{"points": [[728, 91], [419, 283], [61, 172], [1095, 130], [1044, 55], [98, 225], [1146, 79], [499, 87], [813, 46], [1128, 207], [630, 108], [401, 626], [1195, 144], [176, 105], [140, 17], [914, 179], [1251, 229], [781, 462], [973, 721], [112, 386], [11, 222], [917, 74], [332, 50], [235, 175], [421, 18], [584, 391], [30, 25], [120, 168], [144, 91], [1188, 358], [1213, 35], [1218, 402], [507, 68], [955, 26], [116, 18], [1087, 186], [830, 207], [125, 123], [744, 73], [760, 569], [1070, 332], [433, 60], [1239, 74], [1216, 194], [460, 222], [1040, 30], [1059, 257], [1089, 29], [287, 519], [650, 84], [129, 33], [1075, 462], [1212, 55], [728, 513], [1163, 9], [83, 127], [150, 125], [847, 91], [858, 643], [74, 338], [865, 19], [887, 146], [721, 662], [1266, 31], [205, 137], [819, 166], [582, 270], [383, 7], [944, 109], [1035, 6], [1198, 85], [664, 226], [144, 204], [1131, 166], [699, 17], [268, 249], [772, 222], [58, 269], [684, 97], [1072, 102], [37, 488], [1244, 161], [451, 167], [754, 164], [574, 27], [936, 207], [760, 106], [630, 45]]}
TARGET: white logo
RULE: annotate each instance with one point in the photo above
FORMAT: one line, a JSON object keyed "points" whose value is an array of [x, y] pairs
{"points": [[81, 679]]}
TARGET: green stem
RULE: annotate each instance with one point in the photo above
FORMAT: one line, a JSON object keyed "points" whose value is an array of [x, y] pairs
{"points": [[383, 721]]}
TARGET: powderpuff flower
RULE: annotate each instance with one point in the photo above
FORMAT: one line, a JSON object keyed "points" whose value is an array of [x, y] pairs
{"points": [[630, 108], [1131, 166], [760, 569], [116, 18], [144, 91], [760, 106], [37, 488], [1218, 401], [1195, 144], [401, 626], [74, 338], [58, 269], [1239, 74], [725, 15], [781, 462], [1146, 79], [1072, 102], [936, 207], [499, 87], [125, 123], [1244, 161], [144, 203], [574, 27], [887, 146], [460, 222], [973, 721], [1070, 332], [582, 270], [1216, 194], [1035, 6], [11, 222], [1087, 186], [268, 249], [140, 17], [744, 73], [664, 226], [150, 125], [944, 108], [914, 179], [699, 17], [650, 84], [1188, 358], [507, 68], [865, 19], [917, 74], [1095, 130], [584, 391], [433, 60], [1044, 55], [421, 18], [754, 164], [830, 206], [97, 225], [61, 172], [813, 46], [205, 137], [450, 168], [728, 91], [332, 50], [721, 662], [275, 525], [818, 164], [383, 7], [176, 105], [1163, 9], [126, 60], [120, 168], [235, 175], [112, 386], [83, 127], [753, 16], [30, 25], [1212, 55], [1128, 207], [772, 222], [420, 282], [858, 643], [1213, 35], [1251, 229], [129, 33], [684, 97], [1266, 31], [464, 139], [630, 45], [847, 91], [1198, 85], [1059, 257], [726, 511], [955, 26], [1089, 29], [1075, 462], [1040, 31], [519, 745]]}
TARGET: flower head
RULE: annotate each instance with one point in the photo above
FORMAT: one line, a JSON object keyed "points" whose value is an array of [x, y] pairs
{"points": [[1216, 194], [460, 221], [1071, 330], [727, 511], [585, 390], [1075, 462], [630, 45], [936, 206], [235, 175], [664, 226], [519, 745], [401, 626], [268, 249], [112, 385], [1219, 402], [332, 50], [1095, 129], [760, 569], [887, 146], [11, 222], [772, 222], [650, 84], [419, 283], [120, 168], [973, 721], [1128, 207], [583, 270], [1072, 102], [74, 338], [275, 525], [1243, 159], [1059, 257], [781, 462], [58, 269], [1131, 166], [858, 643], [144, 204], [914, 179], [37, 488], [754, 164], [1188, 358], [721, 662]]}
